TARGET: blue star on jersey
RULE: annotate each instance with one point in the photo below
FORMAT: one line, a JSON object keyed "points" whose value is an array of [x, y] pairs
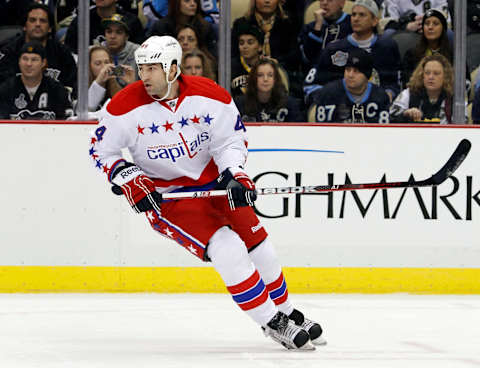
{"points": [[154, 128], [184, 122], [207, 119]]}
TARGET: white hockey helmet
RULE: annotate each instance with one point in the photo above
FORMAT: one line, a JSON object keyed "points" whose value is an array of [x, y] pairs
{"points": [[164, 50]]}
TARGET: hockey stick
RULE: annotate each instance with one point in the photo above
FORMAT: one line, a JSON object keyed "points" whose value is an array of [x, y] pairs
{"points": [[439, 177]]}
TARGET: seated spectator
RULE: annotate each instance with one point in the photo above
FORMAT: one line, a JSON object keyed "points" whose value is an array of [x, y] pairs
{"points": [[331, 24], [401, 15], [195, 62], [385, 53], [39, 25], [250, 46], [182, 12], [473, 15], [154, 10], [103, 77], [116, 41], [188, 37], [279, 40], [157, 9], [434, 40], [353, 99], [429, 93], [266, 99], [104, 9], [31, 94]]}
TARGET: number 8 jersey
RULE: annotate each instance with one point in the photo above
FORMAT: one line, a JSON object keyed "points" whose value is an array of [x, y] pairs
{"points": [[334, 103]]}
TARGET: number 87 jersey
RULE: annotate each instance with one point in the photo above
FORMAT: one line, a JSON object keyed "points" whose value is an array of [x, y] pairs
{"points": [[177, 143], [334, 103]]}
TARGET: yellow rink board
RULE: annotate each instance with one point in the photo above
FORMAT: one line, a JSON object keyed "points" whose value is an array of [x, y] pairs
{"points": [[206, 280]]}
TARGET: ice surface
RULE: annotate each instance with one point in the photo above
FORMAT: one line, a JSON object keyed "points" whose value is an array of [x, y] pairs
{"points": [[209, 330]]}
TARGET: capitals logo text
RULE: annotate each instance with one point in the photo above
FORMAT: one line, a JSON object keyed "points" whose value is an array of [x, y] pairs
{"points": [[175, 151]]}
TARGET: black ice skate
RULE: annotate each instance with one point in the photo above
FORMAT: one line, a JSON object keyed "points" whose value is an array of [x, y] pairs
{"points": [[285, 332], [313, 328]]}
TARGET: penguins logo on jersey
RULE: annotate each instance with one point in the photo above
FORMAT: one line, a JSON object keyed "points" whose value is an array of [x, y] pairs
{"points": [[33, 115], [340, 58], [20, 101]]}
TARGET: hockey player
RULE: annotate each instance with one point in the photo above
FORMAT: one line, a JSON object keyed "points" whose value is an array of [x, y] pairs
{"points": [[387, 60], [31, 94], [353, 99], [182, 132]]}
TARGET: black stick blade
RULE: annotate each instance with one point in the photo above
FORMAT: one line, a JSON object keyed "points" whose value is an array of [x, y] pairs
{"points": [[453, 162]]}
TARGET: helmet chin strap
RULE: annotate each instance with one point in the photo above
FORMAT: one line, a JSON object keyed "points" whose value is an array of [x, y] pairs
{"points": [[169, 84]]}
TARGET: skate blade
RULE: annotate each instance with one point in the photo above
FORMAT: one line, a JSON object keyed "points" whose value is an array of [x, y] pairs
{"points": [[308, 346], [319, 341]]}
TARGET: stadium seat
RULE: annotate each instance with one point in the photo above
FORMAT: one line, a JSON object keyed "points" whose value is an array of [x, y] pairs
{"points": [[9, 31], [311, 114], [238, 9], [473, 78], [284, 75], [473, 50], [348, 6], [405, 40], [308, 14]]}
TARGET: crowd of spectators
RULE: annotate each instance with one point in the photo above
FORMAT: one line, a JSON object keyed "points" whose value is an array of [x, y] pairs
{"points": [[291, 60]]}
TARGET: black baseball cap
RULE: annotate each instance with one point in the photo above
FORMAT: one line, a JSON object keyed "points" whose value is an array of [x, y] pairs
{"points": [[116, 19], [33, 47]]}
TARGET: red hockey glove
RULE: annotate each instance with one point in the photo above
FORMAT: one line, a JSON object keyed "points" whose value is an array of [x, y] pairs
{"points": [[240, 188], [136, 187]]}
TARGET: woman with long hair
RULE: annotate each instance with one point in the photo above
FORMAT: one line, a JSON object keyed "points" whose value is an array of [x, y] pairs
{"points": [[102, 77], [280, 36], [266, 98], [189, 39], [434, 40], [195, 62], [429, 93], [182, 12]]}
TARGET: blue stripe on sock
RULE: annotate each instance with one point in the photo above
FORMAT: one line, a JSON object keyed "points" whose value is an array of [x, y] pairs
{"points": [[279, 292], [250, 294]]}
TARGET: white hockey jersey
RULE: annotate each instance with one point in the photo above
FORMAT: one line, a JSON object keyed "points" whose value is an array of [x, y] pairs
{"points": [[396, 8], [184, 142]]}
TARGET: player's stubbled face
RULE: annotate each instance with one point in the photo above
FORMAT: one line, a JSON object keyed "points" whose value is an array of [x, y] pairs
{"points": [[153, 78]]}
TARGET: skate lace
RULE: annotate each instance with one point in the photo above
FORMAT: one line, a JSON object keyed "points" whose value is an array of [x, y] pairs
{"points": [[307, 324], [285, 333]]}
